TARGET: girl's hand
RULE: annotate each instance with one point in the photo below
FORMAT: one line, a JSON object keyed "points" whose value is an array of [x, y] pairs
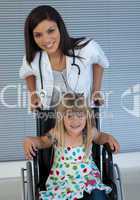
{"points": [[35, 101], [113, 143], [30, 147], [97, 98]]}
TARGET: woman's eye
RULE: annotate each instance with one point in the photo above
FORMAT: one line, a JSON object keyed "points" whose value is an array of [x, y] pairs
{"points": [[38, 35], [51, 30]]}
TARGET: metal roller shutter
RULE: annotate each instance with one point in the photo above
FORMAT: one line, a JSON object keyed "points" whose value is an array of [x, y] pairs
{"points": [[115, 26]]}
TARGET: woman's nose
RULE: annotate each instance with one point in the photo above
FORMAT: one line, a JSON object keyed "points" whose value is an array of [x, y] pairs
{"points": [[46, 38]]}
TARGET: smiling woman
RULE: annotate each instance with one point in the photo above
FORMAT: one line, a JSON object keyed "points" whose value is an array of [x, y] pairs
{"points": [[47, 37], [56, 63]]}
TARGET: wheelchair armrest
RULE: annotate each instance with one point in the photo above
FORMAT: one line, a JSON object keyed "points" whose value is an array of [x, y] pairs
{"points": [[107, 151], [108, 161]]}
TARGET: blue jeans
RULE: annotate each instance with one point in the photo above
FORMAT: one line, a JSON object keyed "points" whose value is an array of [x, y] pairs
{"points": [[98, 195], [95, 195]]}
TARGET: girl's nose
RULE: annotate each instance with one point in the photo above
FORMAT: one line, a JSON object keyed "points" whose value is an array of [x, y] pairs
{"points": [[75, 117]]}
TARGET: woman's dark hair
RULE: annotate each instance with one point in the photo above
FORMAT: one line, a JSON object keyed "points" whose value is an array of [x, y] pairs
{"points": [[37, 15]]}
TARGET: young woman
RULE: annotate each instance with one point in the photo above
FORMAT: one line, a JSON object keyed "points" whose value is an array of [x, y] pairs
{"points": [[74, 174], [55, 63]]}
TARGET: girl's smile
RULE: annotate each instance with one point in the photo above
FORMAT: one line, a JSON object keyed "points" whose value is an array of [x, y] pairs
{"points": [[74, 122]]}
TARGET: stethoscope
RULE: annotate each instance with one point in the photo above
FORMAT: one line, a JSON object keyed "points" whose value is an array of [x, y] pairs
{"points": [[43, 93]]}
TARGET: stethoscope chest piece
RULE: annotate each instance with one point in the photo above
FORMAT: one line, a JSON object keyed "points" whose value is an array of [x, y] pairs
{"points": [[42, 93]]}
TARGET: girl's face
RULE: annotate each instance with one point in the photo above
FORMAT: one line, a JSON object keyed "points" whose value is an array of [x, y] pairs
{"points": [[74, 121], [47, 36]]}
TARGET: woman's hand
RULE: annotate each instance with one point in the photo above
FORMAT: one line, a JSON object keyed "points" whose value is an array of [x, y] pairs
{"points": [[113, 143], [35, 101], [97, 98], [105, 138], [31, 145]]}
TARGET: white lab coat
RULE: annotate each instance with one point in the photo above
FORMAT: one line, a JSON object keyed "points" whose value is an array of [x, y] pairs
{"points": [[91, 54]]}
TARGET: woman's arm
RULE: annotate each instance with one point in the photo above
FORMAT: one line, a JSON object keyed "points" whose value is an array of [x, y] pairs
{"points": [[103, 138], [32, 144], [31, 86], [97, 77], [97, 82], [31, 83]]}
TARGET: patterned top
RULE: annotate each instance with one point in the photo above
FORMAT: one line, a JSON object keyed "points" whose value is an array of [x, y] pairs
{"points": [[72, 174]]}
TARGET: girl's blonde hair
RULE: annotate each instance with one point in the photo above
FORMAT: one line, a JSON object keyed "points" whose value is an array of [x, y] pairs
{"points": [[74, 102]]}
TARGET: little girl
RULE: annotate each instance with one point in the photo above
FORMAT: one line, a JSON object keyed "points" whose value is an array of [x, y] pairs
{"points": [[74, 174]]}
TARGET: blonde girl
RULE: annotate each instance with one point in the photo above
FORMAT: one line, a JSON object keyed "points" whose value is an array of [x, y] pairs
{"points": [[74, 175]]}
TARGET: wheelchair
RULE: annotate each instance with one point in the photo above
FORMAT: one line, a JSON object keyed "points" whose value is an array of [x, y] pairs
{"points": [[35, 175]]}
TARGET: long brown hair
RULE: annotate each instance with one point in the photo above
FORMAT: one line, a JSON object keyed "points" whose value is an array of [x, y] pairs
{"points": [[45, 12]]}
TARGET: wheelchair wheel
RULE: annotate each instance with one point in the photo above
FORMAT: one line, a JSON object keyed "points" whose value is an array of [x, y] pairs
{"points": [[118, 183], [28, 192], [114, 193]]}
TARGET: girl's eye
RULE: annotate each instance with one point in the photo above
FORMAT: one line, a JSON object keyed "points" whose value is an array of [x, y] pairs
{"points": [[70, 116], [67, 114], [75, 114]]}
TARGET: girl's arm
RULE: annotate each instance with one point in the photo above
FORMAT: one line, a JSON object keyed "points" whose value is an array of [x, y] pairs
{"points": [[32, 144], [103, 138]]}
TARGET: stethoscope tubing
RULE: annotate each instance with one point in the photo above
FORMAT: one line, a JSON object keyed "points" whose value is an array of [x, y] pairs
{"points": [[40, 71]]}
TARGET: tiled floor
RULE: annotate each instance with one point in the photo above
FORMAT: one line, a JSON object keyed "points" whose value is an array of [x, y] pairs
{"points": [[11, 188], [129, 164], [131, 183]]}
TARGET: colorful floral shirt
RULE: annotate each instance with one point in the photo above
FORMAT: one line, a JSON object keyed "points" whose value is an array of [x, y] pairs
{"points": [[71, 175]]}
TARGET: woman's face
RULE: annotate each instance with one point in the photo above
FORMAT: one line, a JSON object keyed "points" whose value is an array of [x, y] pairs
{"points": [[47, 36], [74, 122]]}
